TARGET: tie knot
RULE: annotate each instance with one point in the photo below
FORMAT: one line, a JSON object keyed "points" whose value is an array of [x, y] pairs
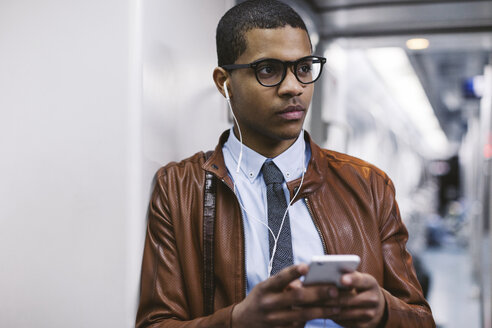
{"points": [[271, 173]]}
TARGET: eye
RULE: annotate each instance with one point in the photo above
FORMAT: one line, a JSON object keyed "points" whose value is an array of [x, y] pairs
{"points": [[266, 69], [304, 68]]}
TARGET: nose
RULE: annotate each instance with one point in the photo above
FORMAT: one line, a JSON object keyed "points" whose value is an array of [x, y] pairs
{"points": [[290, 86]]}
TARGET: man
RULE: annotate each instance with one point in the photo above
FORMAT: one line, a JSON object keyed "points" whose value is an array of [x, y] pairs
{"points": [[336, 205]]}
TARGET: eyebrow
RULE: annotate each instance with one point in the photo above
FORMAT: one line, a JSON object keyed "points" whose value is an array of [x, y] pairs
{"points": [[287, 61]]}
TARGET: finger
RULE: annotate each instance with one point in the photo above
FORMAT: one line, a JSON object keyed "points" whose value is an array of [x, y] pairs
{"points": [[294, 284], [345, 323], [354, 315], [359, 281], [306, 296], [319, 312], [287, 299], [317, 294], [282, 279], [329, 303], [295, 325], [368, 299], [283, 318], [288, 316]]}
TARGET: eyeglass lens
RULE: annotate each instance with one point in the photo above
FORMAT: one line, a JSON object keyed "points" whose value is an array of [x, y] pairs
{"points": [[271, 72]]}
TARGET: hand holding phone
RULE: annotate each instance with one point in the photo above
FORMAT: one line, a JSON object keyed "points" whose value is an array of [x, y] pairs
{"points": [[328, 269]]}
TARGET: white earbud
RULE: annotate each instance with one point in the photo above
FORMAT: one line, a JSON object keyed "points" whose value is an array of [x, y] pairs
{"points": [[226, 91], [228, 98]]}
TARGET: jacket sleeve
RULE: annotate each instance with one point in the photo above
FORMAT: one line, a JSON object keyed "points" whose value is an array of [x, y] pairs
{"points": [[163, 300], [405, 303]]}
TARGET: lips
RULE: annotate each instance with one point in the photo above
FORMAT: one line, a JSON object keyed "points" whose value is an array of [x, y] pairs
{"points": [[292, 112]]}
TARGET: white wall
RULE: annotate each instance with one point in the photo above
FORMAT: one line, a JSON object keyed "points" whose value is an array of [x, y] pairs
{"points": [[183, 111], [80, 140]]}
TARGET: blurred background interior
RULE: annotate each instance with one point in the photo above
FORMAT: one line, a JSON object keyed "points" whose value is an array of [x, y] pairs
{"points": [[95, 96]]}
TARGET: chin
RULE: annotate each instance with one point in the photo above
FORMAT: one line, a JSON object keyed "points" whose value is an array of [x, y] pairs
{"points": [[289, 135]]}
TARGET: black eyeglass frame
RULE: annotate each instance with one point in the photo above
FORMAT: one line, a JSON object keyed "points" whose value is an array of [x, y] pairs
{"points": [[286, 64]]}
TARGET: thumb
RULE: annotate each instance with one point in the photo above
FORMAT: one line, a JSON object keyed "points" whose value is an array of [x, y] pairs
{"points": [[282, 279]]}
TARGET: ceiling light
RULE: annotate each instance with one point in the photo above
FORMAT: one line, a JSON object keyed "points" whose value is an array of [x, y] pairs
{"points": [[395, 69], [417, 44]]}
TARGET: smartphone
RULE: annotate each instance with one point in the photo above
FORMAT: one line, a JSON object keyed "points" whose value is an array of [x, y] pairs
{"points": [[328, 269]]}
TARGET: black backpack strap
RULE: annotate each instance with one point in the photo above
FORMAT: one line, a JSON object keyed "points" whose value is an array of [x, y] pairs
{"points": [[208, 241]]}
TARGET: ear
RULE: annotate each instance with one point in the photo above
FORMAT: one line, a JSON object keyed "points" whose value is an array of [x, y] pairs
{"points": [[220, 77]]}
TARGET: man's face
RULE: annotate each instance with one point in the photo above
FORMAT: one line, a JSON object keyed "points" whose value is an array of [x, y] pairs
{"points": [[271, 117]]}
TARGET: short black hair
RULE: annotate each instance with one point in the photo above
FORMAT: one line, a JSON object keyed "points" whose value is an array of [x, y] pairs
{"points": [[248, 15]]}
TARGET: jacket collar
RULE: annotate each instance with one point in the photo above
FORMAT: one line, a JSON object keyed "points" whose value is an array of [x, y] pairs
{"points": [[313, 177]]}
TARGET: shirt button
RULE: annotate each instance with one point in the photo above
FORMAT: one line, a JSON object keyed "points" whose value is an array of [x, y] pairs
{"points": [[251, 174]]}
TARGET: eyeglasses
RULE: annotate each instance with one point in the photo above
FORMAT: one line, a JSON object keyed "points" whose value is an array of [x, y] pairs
{"points": [[271, 72]]}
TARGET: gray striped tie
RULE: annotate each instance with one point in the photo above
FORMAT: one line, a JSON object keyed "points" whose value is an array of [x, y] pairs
{"points": [[276, 210]]}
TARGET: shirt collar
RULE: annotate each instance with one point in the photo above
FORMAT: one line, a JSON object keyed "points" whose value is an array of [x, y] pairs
{"points": [[289, 162], [251, 162]]}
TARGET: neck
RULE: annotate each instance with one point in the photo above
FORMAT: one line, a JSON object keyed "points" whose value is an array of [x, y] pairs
{"points": [[267, 147]]}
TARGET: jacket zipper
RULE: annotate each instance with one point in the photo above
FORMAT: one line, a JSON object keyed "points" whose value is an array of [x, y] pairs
{"points": [[245, 276], [317, 228]]}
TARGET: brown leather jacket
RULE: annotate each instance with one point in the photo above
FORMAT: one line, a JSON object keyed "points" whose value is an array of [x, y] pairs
{"points": [[352, 204]]}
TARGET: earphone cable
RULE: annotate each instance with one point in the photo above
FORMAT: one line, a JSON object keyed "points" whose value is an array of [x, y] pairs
{"points": [[275, 238]]}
